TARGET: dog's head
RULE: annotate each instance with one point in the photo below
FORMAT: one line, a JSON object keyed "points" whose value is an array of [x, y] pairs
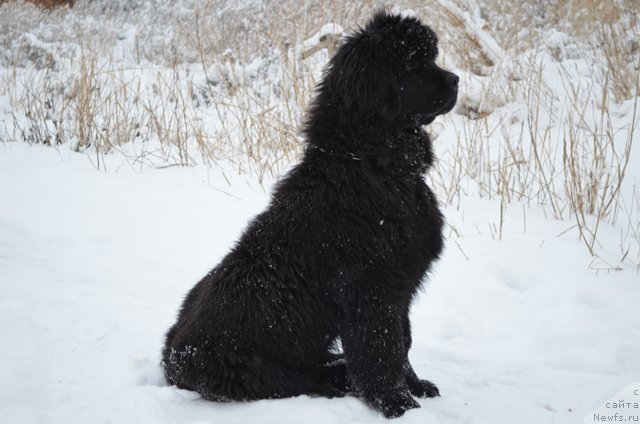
{"points": [[386, 71]]}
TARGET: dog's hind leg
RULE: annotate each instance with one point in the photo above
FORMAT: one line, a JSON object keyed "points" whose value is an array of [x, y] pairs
{"points": [[262, 378], [335, 376], [250, 377]]}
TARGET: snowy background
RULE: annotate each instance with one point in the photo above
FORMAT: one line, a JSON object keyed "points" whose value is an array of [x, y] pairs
{"points": [[139, 137]]}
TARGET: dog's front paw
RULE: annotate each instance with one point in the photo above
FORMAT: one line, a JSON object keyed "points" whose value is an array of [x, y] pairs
{"points": [[423, 388], [395, 405]]}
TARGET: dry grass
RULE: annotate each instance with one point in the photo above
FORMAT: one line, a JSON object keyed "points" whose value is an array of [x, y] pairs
{"points": [[225, 84]]}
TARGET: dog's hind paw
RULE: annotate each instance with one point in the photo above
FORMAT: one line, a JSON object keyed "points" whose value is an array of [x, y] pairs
{"points": [[329, 391]]}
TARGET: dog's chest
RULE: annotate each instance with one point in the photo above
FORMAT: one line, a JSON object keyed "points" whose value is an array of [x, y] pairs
{"points": [[410, 225]]}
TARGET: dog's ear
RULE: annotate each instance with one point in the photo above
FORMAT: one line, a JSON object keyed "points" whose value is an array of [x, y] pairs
{"points": [[364, 79]]}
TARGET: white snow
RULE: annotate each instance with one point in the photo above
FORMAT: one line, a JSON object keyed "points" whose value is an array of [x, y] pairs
{"points": [[94, 266]]}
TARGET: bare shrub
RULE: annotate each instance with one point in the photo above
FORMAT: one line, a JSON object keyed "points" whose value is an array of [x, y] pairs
{"points": [[226, 84]]}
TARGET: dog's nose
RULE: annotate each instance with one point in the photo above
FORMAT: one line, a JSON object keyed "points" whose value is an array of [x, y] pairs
{"points": [[452, 80]]}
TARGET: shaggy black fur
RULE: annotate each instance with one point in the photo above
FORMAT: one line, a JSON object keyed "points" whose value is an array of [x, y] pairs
{"points": [[341, 250]]}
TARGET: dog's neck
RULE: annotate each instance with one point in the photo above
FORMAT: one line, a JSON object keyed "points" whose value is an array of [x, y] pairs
{"points": [[390, 150]]}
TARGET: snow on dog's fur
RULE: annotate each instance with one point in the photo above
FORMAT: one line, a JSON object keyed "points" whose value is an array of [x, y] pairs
{"points": [[341, 250]]}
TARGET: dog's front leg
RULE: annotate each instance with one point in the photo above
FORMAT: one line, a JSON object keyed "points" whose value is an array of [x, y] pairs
{"points": [[417, 386], [374, 346]]}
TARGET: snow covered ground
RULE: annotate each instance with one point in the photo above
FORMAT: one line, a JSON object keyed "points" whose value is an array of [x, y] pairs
{"points": [[93, 266]]}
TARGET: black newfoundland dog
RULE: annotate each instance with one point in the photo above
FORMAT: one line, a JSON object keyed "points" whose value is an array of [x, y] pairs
{"points": [[341, 250]]}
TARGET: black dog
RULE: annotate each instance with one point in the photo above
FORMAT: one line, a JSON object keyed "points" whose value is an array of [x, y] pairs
{"points": [[341, 251]]}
